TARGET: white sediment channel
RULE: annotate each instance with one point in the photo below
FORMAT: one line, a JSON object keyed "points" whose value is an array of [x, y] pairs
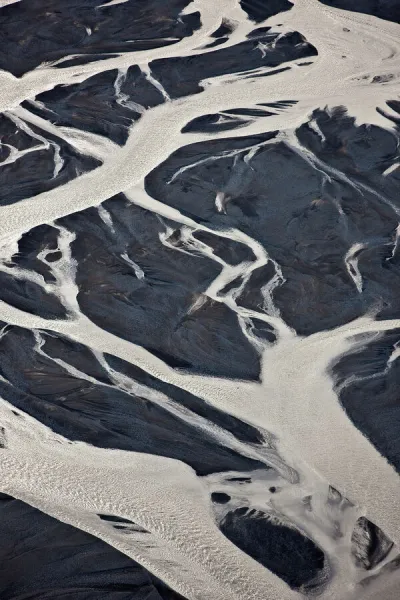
{"points": [[295, 400]]}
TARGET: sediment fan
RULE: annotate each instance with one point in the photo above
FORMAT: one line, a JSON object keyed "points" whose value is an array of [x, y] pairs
{"points": [[199, 313]]}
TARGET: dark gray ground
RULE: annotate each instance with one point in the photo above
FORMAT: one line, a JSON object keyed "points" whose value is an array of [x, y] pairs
{"points": [[63, 25], [306, 233], [384, 9], [45, 559], [100, 414], [92, 105], [368, 386], [33, 172], [307, 200]]}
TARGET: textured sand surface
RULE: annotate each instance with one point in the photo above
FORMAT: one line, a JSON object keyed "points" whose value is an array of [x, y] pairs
{"points": [[199, 314]]}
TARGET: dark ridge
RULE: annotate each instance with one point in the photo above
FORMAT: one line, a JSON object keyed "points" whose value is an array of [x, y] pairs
{"points": [[259, 32], [223, 30], [236, 143], [259, 10], [263, 330], [395, 106], [388, 116], [181, 76], [53, 256], [114, 519], [131, 46], [366, 360], [84, 59], [368, 392], [280, 104], [217, 42], [191, 21], [230, 251], [169, 359], [75, 354], [210, 124], [12, 135], [251, 296], [3, 438], [268, 73], [30, 297], [131, 529], [220, 497], [240, 479], [4, 153], [283, 550], [335, 497], [362, 152], [370, 545], [31, 244], [382, 78], [249, 112], [235, 283]]}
